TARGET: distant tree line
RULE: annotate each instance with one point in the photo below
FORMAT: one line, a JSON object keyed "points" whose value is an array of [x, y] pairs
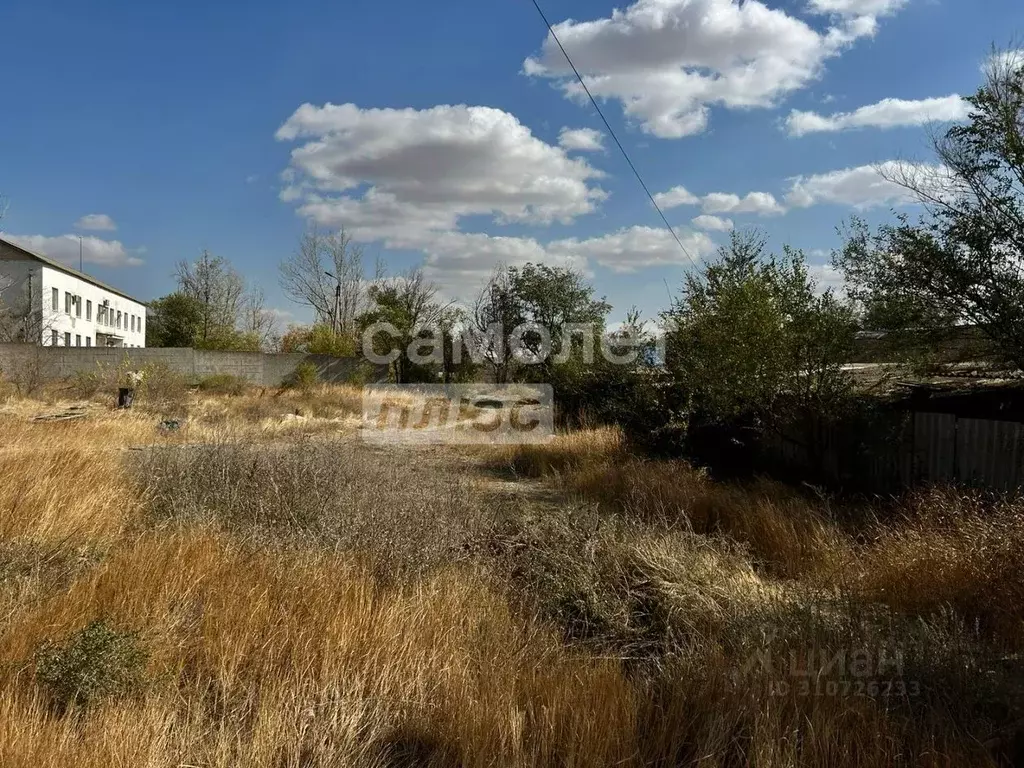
{"points": [[749, 337], [212, 308]]}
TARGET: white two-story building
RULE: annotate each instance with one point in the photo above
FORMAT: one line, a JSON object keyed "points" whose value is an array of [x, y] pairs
{"points": [[43, 301]]}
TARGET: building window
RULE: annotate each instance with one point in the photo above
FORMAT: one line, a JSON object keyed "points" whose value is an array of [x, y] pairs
{"points": [[78, 340], [67, 338], [53, 336], [78, 306], [88, 311], [55, 304], [67, 303], [88, 341], [101, 314]]}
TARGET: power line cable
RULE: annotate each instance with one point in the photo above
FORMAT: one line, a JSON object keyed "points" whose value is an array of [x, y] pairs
{"points": [[607, 125]]}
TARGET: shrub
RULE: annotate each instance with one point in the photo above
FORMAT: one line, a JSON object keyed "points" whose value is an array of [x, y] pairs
{"points": [[363, 373], [31, 373], [306, 376], [95, 662], [163, 387], [223, 384], [85, 385]]}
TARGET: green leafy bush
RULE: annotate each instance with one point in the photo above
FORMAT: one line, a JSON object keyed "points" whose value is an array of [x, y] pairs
{"points": [[93, 663], [306, 376]]}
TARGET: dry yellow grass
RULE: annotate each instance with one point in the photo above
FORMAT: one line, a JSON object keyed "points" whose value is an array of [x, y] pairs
{"points": [[270, 650], [951, 549], [566, 451], [257, 415], [785, 532], [61, 487], [269, 659]]}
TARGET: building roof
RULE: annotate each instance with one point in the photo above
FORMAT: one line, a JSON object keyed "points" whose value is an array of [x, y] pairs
{"points": [[66, 269]]}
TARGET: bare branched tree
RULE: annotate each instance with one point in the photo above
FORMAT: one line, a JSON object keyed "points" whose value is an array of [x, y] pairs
{"points": [[22, 320], [218, 287], [497, 311], [328, 275], [257, 320]]}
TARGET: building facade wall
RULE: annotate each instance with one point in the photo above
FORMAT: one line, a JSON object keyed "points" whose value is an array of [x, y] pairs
{"points": [[77, 313]]}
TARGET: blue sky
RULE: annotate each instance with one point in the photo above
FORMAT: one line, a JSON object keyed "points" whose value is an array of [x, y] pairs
{"points": [[175, 126]]}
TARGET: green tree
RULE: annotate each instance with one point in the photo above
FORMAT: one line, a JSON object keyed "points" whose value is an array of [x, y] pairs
{"points": [[556, 299], [408, 305], [318, 339], [173, 321], [751, 337], [961, 262], [536, 308]]}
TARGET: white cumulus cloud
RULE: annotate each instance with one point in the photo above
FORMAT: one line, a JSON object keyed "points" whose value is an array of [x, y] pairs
{"points": [[401, 175], [64, 248], [1012, 59], [888, 113], [761, 203], [633, 248], [581, 139], [668, 61], [675, 197], [857, 7], [99, 222], [712, 223], [826, 277], [866, 186], [462, 262], [861, 187]]}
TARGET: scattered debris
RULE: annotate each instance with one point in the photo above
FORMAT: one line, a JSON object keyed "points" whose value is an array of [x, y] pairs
{"points": [[71, 413]]}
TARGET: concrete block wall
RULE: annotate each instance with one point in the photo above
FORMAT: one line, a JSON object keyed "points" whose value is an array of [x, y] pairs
{"points": [[267, 370]]}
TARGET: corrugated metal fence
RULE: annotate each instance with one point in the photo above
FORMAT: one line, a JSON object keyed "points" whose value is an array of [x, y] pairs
{"points": [[975, 452], [922, 448]]}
